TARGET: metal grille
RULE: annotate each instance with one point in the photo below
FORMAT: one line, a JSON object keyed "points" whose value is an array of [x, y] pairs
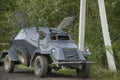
{"points": [[70, 54]]}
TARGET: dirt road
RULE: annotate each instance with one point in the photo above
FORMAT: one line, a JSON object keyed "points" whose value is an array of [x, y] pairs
{"points": [[22, 74]]}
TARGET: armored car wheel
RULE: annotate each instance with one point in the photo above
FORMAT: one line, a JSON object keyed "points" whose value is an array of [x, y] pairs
{"points": [[49, 70], [84, 72], [40, 66], [8, 64]]}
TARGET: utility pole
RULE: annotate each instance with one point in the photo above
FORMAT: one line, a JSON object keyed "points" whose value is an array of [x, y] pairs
{"points": [[82, 24], [106, 36]]}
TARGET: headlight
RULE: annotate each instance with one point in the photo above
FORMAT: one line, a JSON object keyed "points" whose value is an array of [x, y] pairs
{"points": [[87, 50], [53, 50]]}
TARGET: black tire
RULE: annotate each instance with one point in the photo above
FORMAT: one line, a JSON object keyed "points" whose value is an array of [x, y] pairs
{"points": [[84, 72], [8, 64], [49, 70], [40, 66]]}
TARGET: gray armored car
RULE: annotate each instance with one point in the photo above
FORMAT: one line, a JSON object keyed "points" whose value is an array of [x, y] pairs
{"points": [[45, 49]]}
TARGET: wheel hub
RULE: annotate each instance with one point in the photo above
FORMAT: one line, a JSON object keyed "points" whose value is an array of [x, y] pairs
{"points": [[38, 66], [7, 63]]}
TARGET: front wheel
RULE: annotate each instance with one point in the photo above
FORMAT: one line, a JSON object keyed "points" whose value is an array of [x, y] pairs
{"points": [[40, 66], [8, 64], [49, 70], [84, 72]]}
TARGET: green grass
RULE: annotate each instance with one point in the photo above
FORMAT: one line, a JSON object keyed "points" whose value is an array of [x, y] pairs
{"points": [[100, 73], [96, 72], [67, 71]]}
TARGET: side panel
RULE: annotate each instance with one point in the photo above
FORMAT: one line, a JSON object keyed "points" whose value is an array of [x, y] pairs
{"points": [[13, 54], [27, 39], [25, 45]]}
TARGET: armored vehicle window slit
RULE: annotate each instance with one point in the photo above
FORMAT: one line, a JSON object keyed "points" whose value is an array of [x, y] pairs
{"points": [[63, 37], [53, 37]]}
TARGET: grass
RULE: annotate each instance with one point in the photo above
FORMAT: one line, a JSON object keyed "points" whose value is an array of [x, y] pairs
{"points": [[96, 72], [100, 73], [67, 71]]}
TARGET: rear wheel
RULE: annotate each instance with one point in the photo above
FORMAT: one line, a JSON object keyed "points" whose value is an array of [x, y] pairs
{"points": [[40, 66], [84, 72], [8, 64]]}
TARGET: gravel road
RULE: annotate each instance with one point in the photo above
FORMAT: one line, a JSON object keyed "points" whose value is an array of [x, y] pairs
{"points": [[22, 74]]}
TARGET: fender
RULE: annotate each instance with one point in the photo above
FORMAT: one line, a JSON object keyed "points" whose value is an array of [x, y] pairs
{"points": [[13, 54], [38, 52], [4, 53]]}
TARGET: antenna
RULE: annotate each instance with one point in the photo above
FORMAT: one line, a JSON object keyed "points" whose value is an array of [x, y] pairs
{"points": [[66, 22], [21, 19]]}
